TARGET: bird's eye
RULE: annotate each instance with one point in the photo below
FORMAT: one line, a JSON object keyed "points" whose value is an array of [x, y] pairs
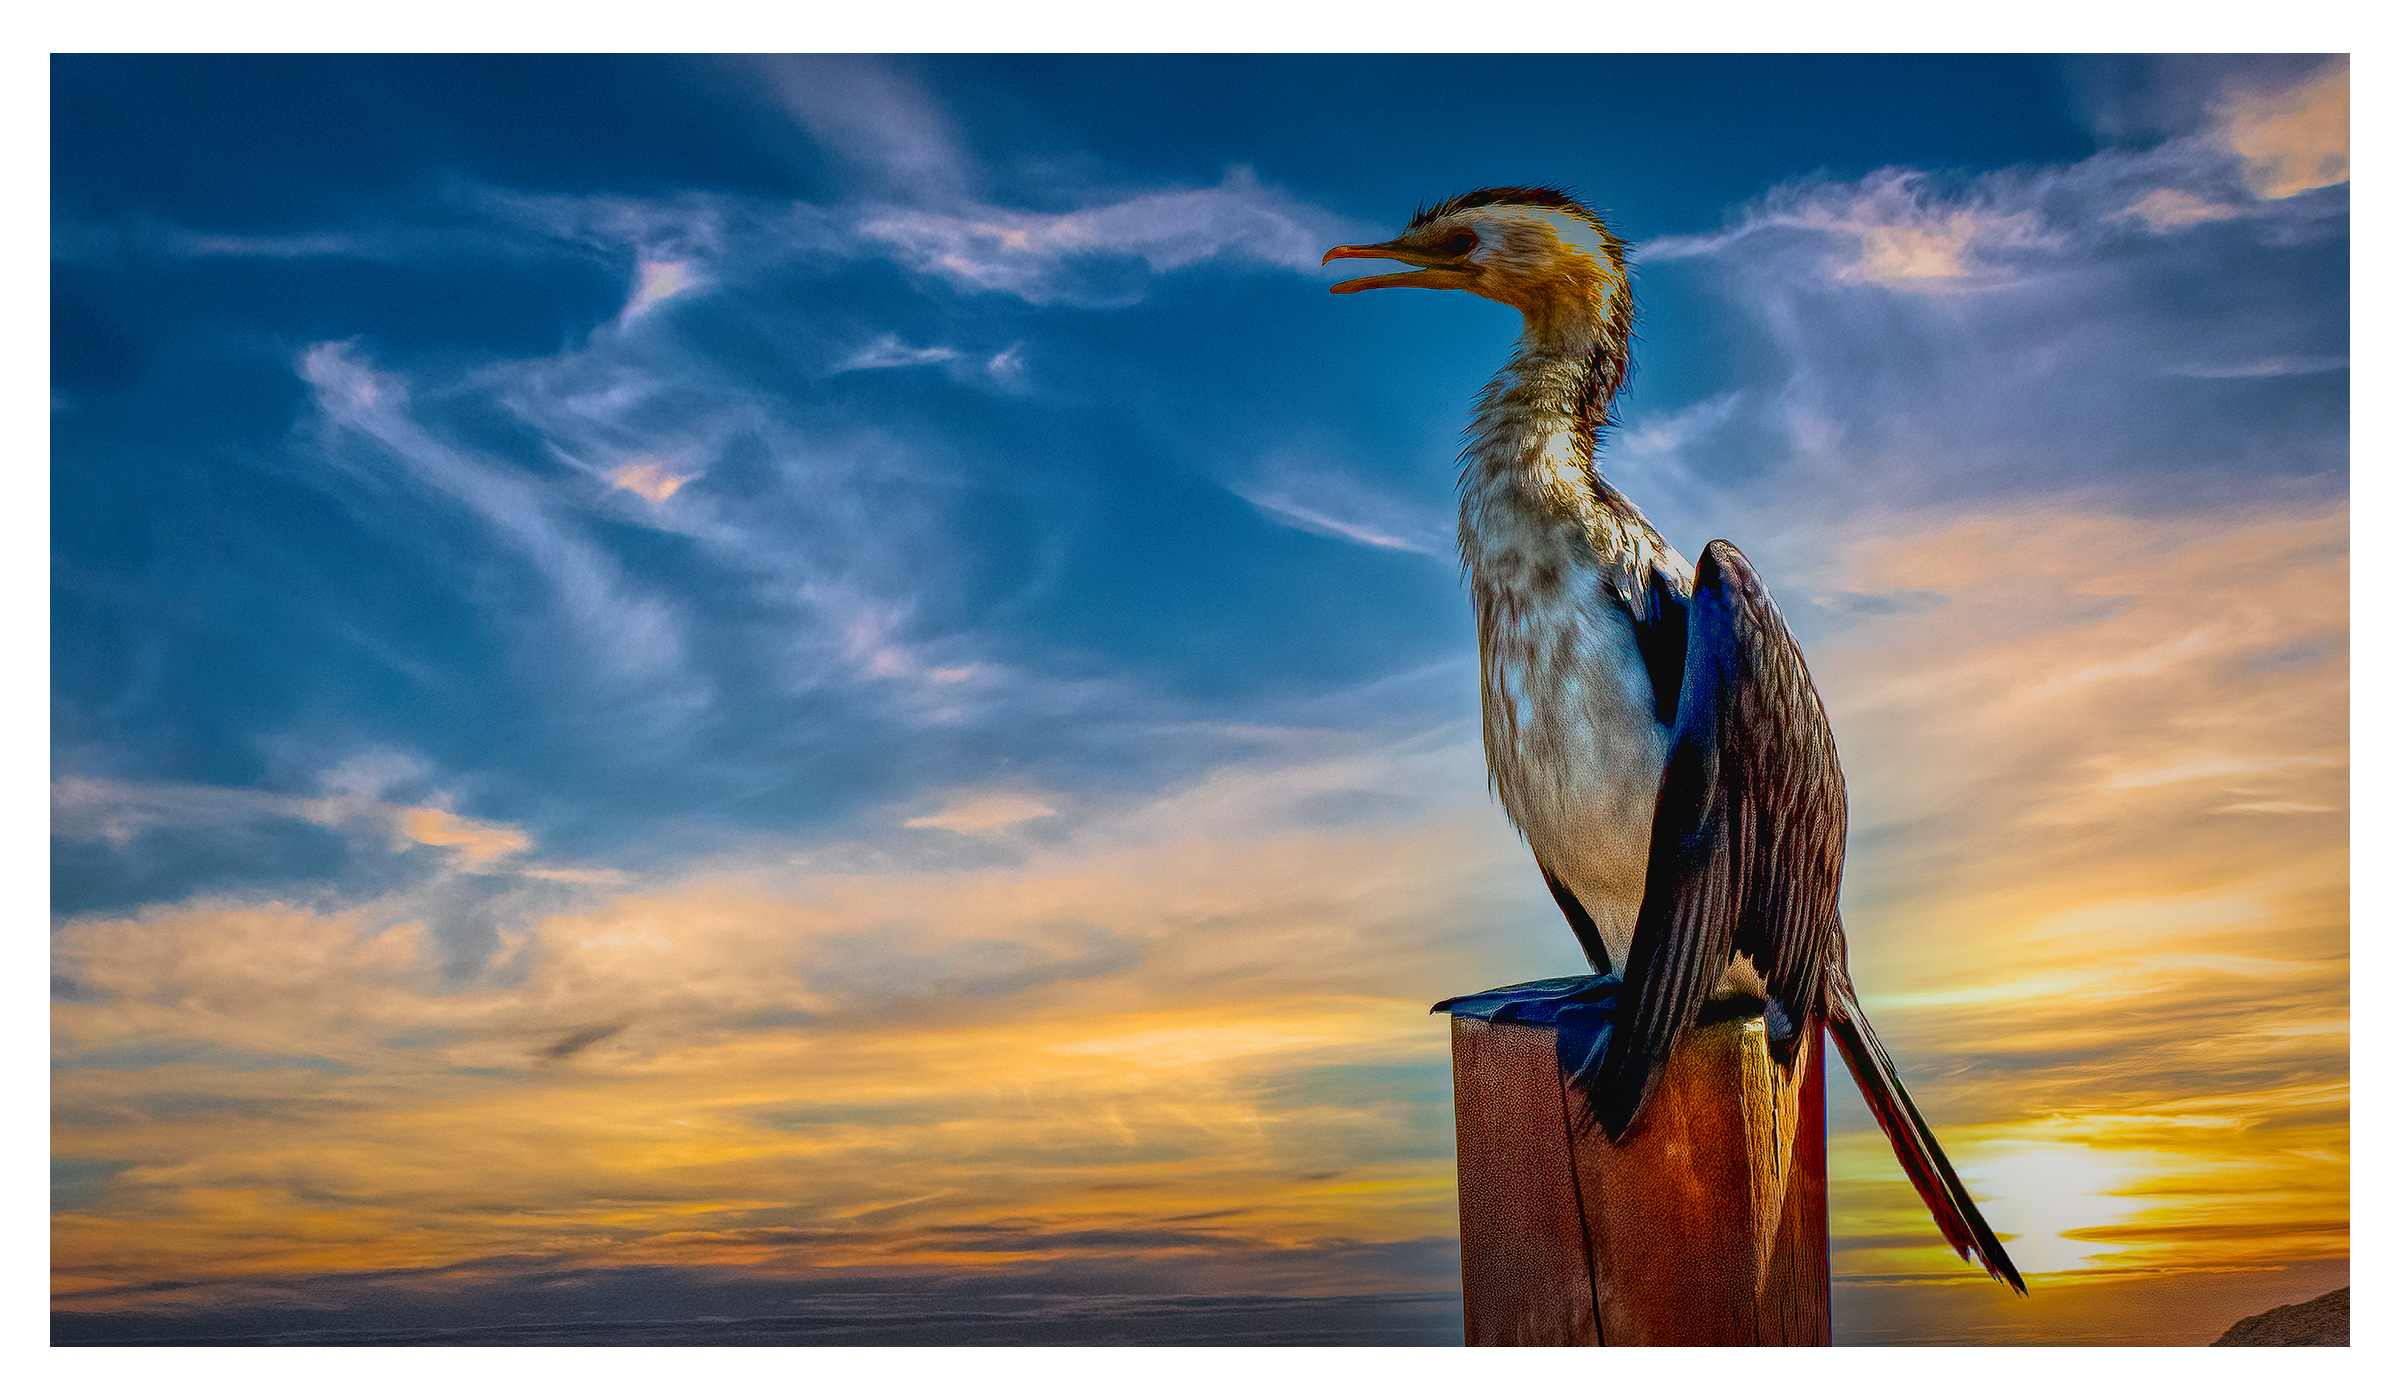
{"points": [[1457, 245]]}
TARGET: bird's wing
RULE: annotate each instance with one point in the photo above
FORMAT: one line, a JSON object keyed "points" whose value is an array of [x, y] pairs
{"points": [[1746, 848], [1587, 933], [1661, 629]]}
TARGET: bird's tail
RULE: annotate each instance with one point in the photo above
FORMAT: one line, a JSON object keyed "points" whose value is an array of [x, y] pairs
{"points": [[1928, 1170]]}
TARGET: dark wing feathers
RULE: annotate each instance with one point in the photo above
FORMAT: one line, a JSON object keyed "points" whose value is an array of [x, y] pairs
{"points": [[1746, 848], [1661, 631], [1746, 857], [1587, 933]]}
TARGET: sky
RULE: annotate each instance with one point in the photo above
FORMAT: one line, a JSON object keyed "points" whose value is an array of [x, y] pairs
{"points": [[833, 688]]}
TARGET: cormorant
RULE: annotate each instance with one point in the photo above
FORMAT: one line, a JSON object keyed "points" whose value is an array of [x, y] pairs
{"points": [[1651, 728]]}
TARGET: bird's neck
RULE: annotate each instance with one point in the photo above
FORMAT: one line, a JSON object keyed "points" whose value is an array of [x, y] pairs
{"points": [[1531, 484]]}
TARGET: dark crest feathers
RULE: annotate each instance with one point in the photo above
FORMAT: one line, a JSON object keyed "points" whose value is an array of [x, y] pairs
{"points": [[1497, 194]]}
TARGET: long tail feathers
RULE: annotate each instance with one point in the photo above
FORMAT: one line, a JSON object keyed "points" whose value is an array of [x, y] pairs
{"points": [[1928, 1170]]}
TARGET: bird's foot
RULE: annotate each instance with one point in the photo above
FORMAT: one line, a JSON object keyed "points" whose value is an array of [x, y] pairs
{"points": [[1581, 1008]]}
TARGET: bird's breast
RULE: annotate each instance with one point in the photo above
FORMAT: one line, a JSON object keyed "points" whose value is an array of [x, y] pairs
{"points": [[1571, 726]]}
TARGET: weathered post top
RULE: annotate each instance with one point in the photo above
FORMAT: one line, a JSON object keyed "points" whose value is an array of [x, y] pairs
{"points": [[1706, 1226]]}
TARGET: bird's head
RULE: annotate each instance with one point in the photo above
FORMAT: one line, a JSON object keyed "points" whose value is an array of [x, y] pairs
{"points": [[1534, 249]]}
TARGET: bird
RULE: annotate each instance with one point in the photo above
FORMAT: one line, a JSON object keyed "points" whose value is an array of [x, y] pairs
{"points": [[1650, 726]]}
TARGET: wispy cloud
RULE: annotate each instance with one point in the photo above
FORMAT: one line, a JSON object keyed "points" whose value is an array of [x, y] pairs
{"points": [[1325, 501], [1093, 249], [850, 540], [846, 537], [649, 480], [74, 242], [92, 809], [479, 844], [88, 809], [657, 281], [984, 813], [2293, 139], [2165, 209], [924, 208], [640, 631], [2208, 765], [888, 351], [1081, 256], [1896, 228], [2003, 335], [2272, 367], [1907, 229], [884, 125]]}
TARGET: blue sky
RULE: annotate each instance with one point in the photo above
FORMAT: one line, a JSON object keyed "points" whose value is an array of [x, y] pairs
{"points": [[738, 508]]}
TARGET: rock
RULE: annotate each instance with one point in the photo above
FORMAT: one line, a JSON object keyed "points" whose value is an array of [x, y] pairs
{"points": [[2319, 1322]]}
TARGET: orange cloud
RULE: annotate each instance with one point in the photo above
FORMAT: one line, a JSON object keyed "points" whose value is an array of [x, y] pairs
{"points": [[477, 843], [983, 814], [2294, 140], [649, 480]]}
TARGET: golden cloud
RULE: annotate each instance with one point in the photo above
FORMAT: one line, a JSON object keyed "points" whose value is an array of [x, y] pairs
{"points": [[985, 813], [2172, 209], [649, 480], [2294, 140], [478, 843]]}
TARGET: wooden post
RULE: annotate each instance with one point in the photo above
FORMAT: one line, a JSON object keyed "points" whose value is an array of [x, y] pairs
{"points": [[1705, 1227]]}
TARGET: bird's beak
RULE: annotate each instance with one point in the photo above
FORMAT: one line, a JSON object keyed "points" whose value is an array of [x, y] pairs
{"points": [[1432, 270]]}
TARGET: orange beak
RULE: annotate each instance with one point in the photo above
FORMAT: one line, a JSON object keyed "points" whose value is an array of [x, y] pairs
{"points": [[1431, 269]]}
